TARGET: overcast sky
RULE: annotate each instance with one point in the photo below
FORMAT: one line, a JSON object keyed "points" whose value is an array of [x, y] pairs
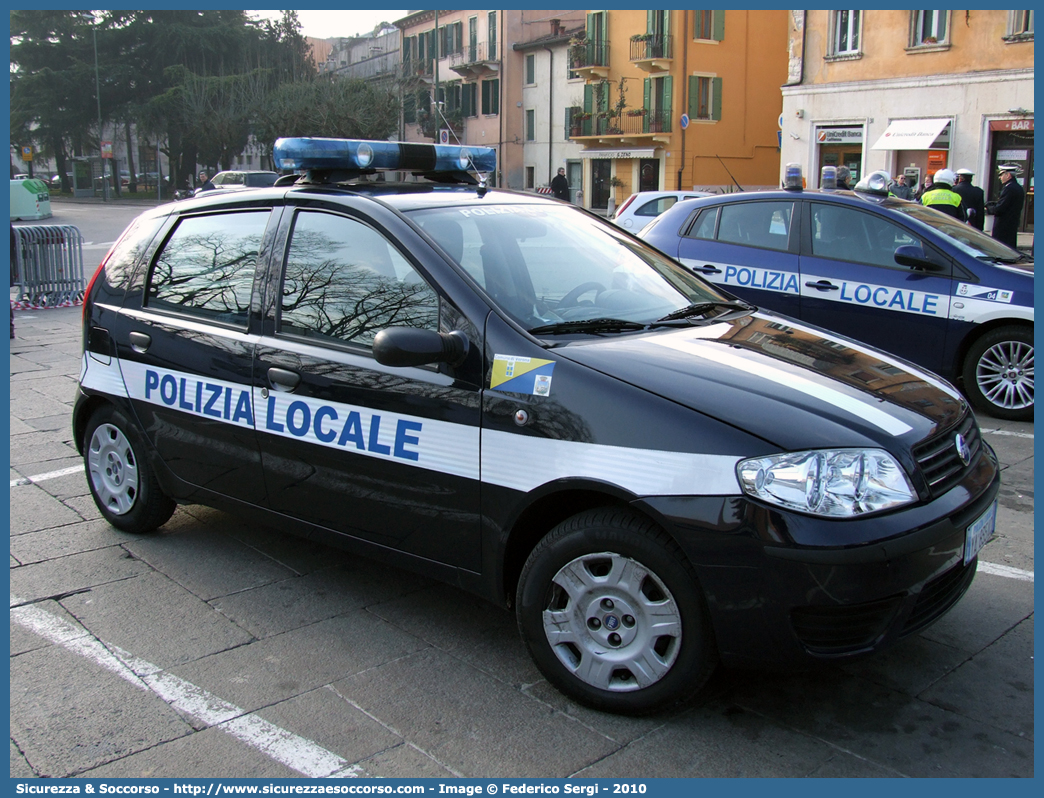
{"points": [[327, 24]]}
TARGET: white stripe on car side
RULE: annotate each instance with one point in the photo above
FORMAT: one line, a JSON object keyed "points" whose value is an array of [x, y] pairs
{"points": [[509, 460]]}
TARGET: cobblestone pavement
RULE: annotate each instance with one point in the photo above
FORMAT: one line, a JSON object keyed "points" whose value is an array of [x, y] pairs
{"points": [[217, 648]]}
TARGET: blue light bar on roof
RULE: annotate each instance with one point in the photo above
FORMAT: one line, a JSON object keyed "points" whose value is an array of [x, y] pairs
{"points": [[306, 154]]}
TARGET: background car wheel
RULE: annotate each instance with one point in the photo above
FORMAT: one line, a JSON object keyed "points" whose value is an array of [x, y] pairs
{"points": [[121, 482], [613, 615], [998, 373]]}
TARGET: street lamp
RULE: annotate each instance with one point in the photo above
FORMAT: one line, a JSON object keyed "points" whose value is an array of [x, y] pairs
{"points": [[97, 94]]}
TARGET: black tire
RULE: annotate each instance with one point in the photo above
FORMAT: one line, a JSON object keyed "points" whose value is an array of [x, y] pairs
{"points": [[998, 373], [122, 484], [646, 668]]}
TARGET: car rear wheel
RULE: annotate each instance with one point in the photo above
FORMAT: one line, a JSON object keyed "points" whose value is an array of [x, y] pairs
{"points": [[998, 373], [121, 482], [613, 615]]}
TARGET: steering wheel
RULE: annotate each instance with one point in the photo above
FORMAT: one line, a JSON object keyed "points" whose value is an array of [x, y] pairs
{"points": [[570, 299]]}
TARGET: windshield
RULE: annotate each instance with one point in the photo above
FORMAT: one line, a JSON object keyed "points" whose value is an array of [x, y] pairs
{"points": [[965, 237], [544, 265]]}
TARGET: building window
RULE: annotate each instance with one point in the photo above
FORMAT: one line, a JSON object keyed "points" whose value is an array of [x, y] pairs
{"points": [[929, 27], [704, 97], [491, 96], [1020, 26], [530, 70], [530, 125], [710, 25], [468, 99], [847, 26], [530, 175], [491, 37]]}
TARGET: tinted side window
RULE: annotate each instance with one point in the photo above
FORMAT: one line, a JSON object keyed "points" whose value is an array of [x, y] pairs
{"points": [[206, 268], [344, 281], [757, 224], [656, 206], [841, 233]]}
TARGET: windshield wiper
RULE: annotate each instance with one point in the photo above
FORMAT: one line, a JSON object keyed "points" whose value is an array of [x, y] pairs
{"points": [[588, 325], [701, 308]]}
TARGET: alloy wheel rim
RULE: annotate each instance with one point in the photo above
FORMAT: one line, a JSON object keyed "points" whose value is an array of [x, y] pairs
{"points": [[1004, 374]]}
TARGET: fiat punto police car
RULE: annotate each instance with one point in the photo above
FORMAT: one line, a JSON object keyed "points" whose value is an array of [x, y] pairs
{"points": [[519, 398], [895, 274]]}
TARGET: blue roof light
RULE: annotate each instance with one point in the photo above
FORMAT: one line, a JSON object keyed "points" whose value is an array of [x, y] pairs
{"points": [[307, 154]]}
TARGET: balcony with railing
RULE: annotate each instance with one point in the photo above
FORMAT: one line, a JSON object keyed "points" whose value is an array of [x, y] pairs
{"points": [[475, 60], [589, 59], [634, 125], [652, 52]]}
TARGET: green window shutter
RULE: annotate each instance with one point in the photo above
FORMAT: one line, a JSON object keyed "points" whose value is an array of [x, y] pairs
{"points": [[650, 20], [605, 27], [591, 26], [588, 98], [485, 96], [465, 101], [716, 98], [694, 97], [668, 93], [719, 25], [647, 94], [666, 23]]}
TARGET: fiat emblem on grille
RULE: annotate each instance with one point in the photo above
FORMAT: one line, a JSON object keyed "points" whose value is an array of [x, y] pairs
{"points": [[963, 451]]}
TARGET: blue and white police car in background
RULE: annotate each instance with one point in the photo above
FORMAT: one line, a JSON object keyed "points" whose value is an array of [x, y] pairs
{"points": [[517, 397], [881, 270]]}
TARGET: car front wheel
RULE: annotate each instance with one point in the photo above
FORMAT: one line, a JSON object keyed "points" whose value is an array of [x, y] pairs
{"points": [[998, 373], [121, 482], [613, 616]]}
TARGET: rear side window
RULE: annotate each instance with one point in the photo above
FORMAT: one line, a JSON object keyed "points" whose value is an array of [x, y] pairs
{"points": [[656, 206], [345, 282], [756, 224], [705, 224], [207, 266]]}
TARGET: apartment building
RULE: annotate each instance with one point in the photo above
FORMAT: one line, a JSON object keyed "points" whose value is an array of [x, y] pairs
{"points": [[672, 99], [913, 92]]}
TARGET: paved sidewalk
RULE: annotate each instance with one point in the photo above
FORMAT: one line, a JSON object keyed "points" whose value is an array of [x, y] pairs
{"points": [[214, 647]]}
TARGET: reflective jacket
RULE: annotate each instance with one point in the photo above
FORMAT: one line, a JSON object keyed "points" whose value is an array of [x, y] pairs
{"points": [[945, 200]]}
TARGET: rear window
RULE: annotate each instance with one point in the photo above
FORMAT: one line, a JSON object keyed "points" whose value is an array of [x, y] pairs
{"points": [[207, 266]]}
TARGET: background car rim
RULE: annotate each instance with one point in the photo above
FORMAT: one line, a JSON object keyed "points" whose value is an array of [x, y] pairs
{"points": [[1004, 374], [113, 469], [612, 622]]}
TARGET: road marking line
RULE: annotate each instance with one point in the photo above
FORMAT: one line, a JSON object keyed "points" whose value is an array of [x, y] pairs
{"points": [[287, 748], [1008, 432], [1005, 570], [44, 477]]}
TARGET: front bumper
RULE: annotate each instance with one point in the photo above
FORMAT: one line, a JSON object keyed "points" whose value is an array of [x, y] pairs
{"points": [[778, 597]]}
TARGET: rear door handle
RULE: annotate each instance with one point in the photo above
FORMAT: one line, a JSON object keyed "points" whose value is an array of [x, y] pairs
{"points": [[283, 380], [823, 285], [140, 342], [706, 269]]}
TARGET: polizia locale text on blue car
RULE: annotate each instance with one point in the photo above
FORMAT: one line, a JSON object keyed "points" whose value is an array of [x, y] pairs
{"points": [[515, 396]]}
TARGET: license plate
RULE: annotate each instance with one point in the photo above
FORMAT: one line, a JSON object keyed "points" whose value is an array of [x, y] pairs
{"points": [[978, 532]]}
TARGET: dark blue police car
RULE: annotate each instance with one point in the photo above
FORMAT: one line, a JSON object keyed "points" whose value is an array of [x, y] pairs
{"points": [[519, 398], [888, 272]]}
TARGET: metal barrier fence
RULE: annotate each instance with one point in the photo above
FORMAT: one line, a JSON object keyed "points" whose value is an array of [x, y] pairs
{"points": [[48, 267]]}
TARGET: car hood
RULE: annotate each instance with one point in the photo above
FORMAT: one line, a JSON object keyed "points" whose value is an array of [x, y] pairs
{"points": [[795, 386]]}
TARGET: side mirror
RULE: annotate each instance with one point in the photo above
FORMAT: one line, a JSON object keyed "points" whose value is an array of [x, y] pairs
{"points": [[914, 257], [410, 346]]}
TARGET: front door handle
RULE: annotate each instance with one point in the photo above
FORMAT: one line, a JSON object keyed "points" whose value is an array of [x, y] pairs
{"points": [[140, 342], [823, 285], [706, 269], [283, 380]]}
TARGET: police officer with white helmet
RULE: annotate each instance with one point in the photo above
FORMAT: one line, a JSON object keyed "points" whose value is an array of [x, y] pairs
{"points": [[942, 197]]}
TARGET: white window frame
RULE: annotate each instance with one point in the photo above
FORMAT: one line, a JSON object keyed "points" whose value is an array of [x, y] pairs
{"points": [[1020, 25], [853, 26], [940, 17]]}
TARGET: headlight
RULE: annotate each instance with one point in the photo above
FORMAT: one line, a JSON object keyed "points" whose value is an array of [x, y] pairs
{"points": [[837, 483]]}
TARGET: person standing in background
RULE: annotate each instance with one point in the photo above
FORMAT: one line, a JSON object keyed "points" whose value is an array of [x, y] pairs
{"points": [[1007, 210], [560, 185], [899, 188], [972, 198]]}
